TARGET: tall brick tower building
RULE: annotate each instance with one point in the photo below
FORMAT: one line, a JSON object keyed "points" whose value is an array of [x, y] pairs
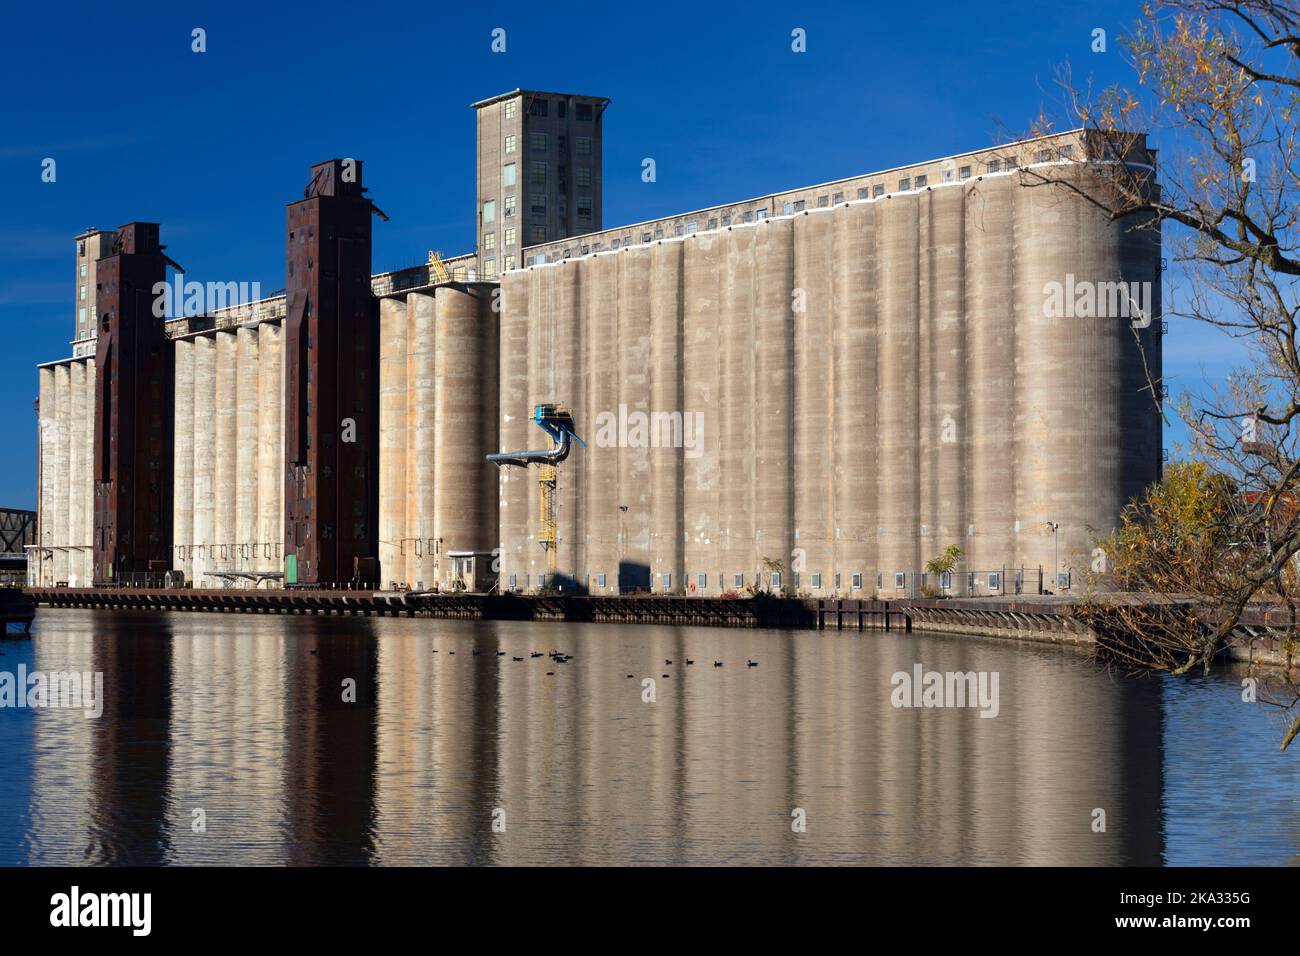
{"points": [[331, 378], [133, 410]]}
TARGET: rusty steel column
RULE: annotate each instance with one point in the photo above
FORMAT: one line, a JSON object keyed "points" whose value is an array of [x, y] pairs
{"points": [[133, 411], [331, 382]]}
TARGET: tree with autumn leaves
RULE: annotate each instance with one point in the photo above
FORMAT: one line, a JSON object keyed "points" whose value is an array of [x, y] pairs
{"points": [[1217, 86]]}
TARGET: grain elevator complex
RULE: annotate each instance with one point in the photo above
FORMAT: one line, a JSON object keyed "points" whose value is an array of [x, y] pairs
{"points": [[813, 391]]}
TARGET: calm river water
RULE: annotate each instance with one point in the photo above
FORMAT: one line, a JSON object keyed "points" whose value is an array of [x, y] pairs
{"points": [[227, 739]]}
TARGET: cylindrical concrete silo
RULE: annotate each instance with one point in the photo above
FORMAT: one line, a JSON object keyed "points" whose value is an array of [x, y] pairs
{"points": [[948, 425], [244, 557], [183, 458], [420, 505], [270, 447], [634, 463], [663, 432], [514, 483], [48, 453], [699, 361], [464, 392], [600, 458], [812, 318], [737, 399], [205, 453], [87, 425], [224, 411], [62, 470], [991, 331], [899, 349], [856, 402], [772, 412], [79, 482], [569, 391], [392, 439]]}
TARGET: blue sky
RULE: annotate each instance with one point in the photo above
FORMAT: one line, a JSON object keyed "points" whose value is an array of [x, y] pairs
{"points": [[213, 145]]}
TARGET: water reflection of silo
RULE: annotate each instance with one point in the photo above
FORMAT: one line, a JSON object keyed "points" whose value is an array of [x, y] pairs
{"points": [[228, 735], [130, 780], [329, 763], [60, 828]]}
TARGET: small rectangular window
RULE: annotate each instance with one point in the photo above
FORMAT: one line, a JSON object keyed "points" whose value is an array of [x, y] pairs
{"points": [[510, 236], [584, 145], [510, 109], [600, 580], [537, 234], [737, 579], [489, 211], [510, 205], [877, 190], [489, 268], [537, 171], [713, 223], [862, 192], [995, 581], [904, 184], [760, 213], [749, 215], [666, 582], [508, 174], [945, 580], [837, 199], [816, 581], [701, 581], [994, 166], [1063, 580], [539, 107], [692, 228], [509, 263], [489, 241], [963, 172], [583, 175], [776, 580], [511, 143], [787, 208], [514, 581], [900, 580], [823, 201], [799, 205], [855, 581], [726, 219], [582, 111], [921, 181]]}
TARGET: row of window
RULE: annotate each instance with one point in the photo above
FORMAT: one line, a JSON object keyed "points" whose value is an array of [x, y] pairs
{"points": [[540, 106], [905, 184], [992, 580], [538, 142], [537, 172]]}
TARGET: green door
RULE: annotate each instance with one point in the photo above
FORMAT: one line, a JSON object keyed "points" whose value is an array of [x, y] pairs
{"points": [[291, 569]]}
